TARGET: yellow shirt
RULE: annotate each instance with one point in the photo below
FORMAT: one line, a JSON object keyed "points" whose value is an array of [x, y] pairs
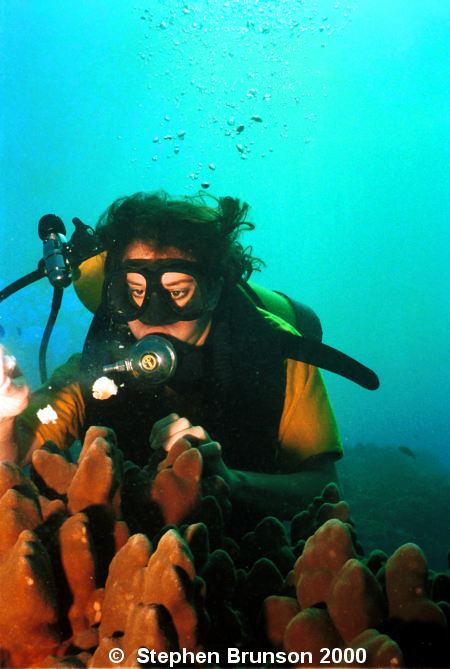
{"points": [[307, 426]]}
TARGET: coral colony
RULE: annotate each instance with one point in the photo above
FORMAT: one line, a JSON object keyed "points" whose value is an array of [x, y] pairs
{"points": [[103, 565]]}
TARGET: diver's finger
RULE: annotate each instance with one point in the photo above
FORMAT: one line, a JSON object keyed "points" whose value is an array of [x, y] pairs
{"points": [[177, 426], [8, 365], [166, 442], [195, 431], [212, 449], [2, 364], [167, 419], [161, 433], [161, 424]]}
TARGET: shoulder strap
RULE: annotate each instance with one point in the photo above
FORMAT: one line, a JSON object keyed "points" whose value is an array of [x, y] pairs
{"points": [[309, 348], [300, 316]]}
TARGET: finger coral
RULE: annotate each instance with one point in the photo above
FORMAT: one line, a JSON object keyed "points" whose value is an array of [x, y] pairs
{"points": [[99, 557]]}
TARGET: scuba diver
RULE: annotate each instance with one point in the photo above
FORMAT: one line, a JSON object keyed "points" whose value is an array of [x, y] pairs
{"points": [[174, 272]]}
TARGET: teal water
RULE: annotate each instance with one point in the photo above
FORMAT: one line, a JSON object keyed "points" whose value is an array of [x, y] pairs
{"points": [[347, 172]]}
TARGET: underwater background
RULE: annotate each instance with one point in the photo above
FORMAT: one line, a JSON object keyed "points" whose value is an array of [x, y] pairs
{"points": [[332, 120]]}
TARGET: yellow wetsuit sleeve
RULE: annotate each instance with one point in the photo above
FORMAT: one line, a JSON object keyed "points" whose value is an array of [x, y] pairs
{"points": [[63, 394], [308, 426]]}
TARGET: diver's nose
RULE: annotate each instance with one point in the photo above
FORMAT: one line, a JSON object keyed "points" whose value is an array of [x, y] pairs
{"points": [[155, 313]]}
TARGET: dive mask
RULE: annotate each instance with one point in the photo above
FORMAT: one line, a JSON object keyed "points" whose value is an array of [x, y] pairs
{"points": [[160, 292]]}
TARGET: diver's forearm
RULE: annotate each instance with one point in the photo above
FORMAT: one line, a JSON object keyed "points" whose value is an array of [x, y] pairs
{"points": [[280, 495]]}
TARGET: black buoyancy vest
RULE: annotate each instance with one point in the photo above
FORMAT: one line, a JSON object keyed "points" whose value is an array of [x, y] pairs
{"points": [[238, 398]]}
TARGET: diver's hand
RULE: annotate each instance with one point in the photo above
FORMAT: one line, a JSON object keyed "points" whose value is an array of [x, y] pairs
{"points": [[168, 430], [14, 391], [213, 465]]}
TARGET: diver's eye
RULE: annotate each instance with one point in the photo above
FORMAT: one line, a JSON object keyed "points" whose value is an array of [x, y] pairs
{"points": [[180, 287], [136, 294], [136, 286], [178, 294]]}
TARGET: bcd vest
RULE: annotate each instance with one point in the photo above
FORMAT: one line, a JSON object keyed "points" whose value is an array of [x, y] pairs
{"points": [[235, 389]]}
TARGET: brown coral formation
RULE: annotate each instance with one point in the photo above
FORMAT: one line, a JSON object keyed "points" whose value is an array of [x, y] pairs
{"points": [[99, 554]]}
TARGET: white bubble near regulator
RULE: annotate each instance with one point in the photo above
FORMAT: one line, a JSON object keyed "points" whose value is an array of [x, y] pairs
{"points": [[47, 415], [104, 388]]}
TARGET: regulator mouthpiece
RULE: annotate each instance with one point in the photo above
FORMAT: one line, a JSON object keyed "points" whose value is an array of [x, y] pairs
{"points": [[152, 357]]}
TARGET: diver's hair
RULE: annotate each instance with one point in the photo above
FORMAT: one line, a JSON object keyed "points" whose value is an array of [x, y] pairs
{"points": [[207, 234]]}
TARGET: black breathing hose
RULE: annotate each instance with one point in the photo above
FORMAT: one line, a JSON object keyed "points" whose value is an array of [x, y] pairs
{"points": [[56, 305]]}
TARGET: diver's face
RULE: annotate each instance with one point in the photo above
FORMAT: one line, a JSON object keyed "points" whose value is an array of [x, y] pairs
{"points": [[192, 332]]}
